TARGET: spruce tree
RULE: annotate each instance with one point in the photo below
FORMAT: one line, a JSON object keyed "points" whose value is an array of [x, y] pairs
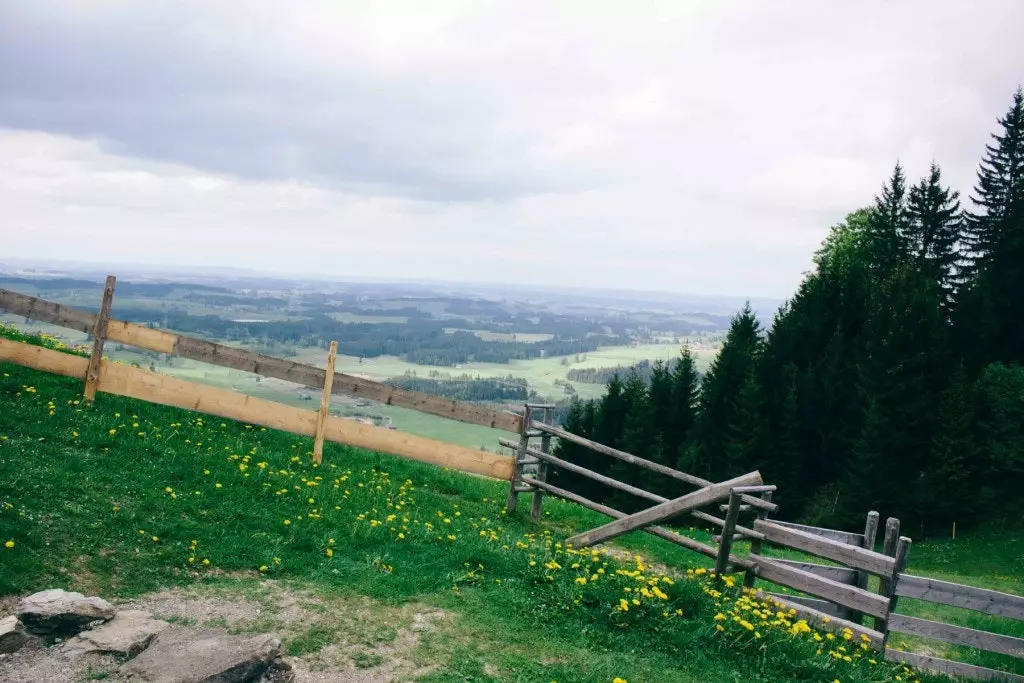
{"points": [[719, 404], [889, 224], [684, 401], [935, 232], [996, 240]]}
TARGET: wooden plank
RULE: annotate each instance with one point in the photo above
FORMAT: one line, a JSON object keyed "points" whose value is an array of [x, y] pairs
{"points": [[892, 536], [542, 469], [959, 595], [823, 606], [641, 462], [728, 529], [620, 455], [847, 537], [125, 380], [857, 558], [582, 471], [833, 591], [703, 516], [870, 532], [99, 333], [900, 565], [823, 620], [750, 577], [658, 531], [520, 459], [951, 668], [666, 510], [957, 635], [840, 574], [325, 405], [204, 351]]}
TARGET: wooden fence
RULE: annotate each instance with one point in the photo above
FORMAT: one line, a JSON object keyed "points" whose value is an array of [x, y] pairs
{"points": [[832, 596], [835, 596], [113, 378]]}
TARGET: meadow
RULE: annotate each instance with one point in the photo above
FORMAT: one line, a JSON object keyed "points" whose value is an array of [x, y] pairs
{"points": [[124, 498]]}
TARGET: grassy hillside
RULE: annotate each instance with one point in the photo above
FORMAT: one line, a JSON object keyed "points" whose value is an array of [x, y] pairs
{"points": [[124, 498]]}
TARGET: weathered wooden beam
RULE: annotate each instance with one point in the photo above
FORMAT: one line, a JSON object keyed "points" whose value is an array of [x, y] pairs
{"points": [[951, 668], [125, 380], [204, 351], [833, 591], [99, 334], [901, 559], [662, 511], [728, 529], [889, 542], [750, 577], [824, 620], [583, 471], [658, 531], [640, 462], [870, 532], [823, 606], [840, 574], [619, 455], [542, 469], [957, 635], [325, 405], [959, 595], [718, 521], [837, 551], [848, 537]]}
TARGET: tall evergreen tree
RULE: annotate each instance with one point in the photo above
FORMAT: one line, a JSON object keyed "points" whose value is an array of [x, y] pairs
{"points": [[889, 224], [996, 236], [935, 232], [719, 405], [683, 417]]}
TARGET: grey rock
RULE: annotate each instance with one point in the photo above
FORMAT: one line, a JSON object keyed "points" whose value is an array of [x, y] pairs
{"points": [[128, 633], [12, 635], [60, 613], [187, 655]]}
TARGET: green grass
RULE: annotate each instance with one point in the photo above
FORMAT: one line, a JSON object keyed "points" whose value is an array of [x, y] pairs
{"points": [[122, 498]]}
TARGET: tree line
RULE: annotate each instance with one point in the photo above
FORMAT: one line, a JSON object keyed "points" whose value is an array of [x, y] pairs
{"points": [[891, 380]]}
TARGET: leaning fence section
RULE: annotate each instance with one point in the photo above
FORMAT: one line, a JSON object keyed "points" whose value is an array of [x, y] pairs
{"points": [[842, 582]]}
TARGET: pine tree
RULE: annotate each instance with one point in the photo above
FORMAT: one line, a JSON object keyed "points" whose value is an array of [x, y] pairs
{"points": [[746, 438], [889, 224], [935, 232], [685, 392], [639, 438], [996, 240], [719, 405]]}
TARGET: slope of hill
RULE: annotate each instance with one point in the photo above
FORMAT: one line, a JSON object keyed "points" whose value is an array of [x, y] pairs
{"points": [[124, 498]]}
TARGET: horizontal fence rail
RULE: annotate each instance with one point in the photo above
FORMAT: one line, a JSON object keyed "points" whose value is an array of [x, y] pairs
{"points": [[825, 620], [837, 551], [959, 595], [957, 635], [833, 591], [124, 380], [204, 351], [951, 668]]}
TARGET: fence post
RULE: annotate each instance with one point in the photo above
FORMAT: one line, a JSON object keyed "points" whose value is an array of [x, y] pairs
{"points": [[889, 543], [325, 405], [902, 557], [517, 468], [99, 334], [728, 529], [870, 534], [755, 546], [542, 467]]}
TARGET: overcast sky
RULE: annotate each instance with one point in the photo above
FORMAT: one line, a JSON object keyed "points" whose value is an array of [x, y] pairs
{"points": [[686, 146]]}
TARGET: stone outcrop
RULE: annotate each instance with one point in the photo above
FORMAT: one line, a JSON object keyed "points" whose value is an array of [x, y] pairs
{"points": [[189, 655], [59, 613], [127, 634]]}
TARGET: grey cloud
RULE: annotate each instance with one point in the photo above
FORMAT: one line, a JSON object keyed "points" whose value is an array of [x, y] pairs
{"points": [[145, 85]]}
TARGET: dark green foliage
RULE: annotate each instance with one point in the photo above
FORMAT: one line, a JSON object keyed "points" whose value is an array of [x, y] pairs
{"points": [[891, 381]]}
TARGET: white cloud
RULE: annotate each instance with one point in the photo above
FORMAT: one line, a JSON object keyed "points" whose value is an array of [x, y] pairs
{"points": [[692, 146]]}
